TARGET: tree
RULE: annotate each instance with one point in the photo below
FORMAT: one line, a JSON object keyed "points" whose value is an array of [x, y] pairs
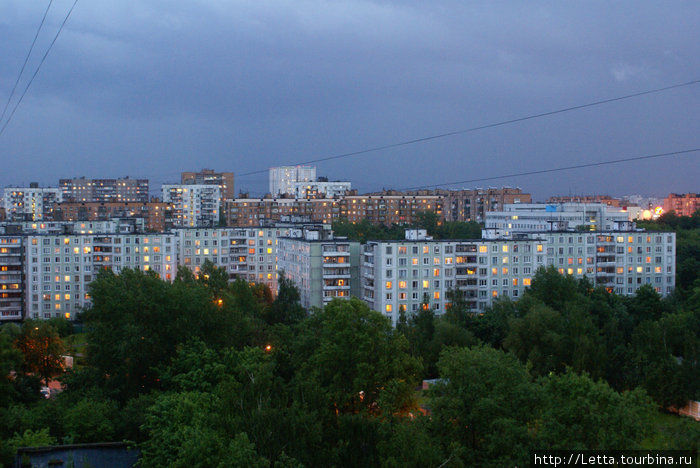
{"points": [[484, 403], [42, 349], [580, 413], [286, 308]]}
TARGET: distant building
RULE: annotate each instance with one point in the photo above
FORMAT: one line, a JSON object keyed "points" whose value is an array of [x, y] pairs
{"points": [[683, 204], [223, 180], [320, 266], [31, 203], [390, 209], [472, 205], [321, 189], [193, 205], [283, 178], [603, 199], [104, 190], [541, 217], [158, 216]]}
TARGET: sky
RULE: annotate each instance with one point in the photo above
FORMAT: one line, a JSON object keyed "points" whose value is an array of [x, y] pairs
{"points": [[149, 88]]}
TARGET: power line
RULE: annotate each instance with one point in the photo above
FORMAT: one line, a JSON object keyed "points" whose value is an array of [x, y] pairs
{"points": [[483, 127], [558, 169], [26, 59], [14, 109]]}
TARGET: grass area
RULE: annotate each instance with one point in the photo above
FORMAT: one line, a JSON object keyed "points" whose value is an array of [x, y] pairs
{"points": [[673, 432]]}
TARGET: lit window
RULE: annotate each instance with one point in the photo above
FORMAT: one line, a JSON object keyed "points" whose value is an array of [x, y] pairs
{"points": [[389, 308], [388, 285]]}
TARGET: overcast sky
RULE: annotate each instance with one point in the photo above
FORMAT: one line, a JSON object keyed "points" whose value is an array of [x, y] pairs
{"points": [[149, 88]]}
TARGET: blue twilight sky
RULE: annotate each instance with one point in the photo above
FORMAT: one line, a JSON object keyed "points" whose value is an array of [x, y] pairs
{"points": [[149, 88]]}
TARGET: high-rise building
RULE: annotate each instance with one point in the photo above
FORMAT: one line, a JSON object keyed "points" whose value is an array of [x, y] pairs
{"points": [[158, 216], [31, 203], [193, 205], [283, 178], [104, 190], [321, 189], [223, 180]]}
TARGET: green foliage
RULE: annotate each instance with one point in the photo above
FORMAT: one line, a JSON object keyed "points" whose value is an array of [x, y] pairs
{"points": [[579, 414], [484, 403], [42, 349], [364, 230], [28, 438]]}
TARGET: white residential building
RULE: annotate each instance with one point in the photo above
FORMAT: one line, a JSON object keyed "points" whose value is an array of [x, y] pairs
{"points": [[320, 189], [59, 268], [419, 271], [322, 267], [31, 203], [540, 217], [193, 205], [283, 178], [621, 261], [11, 278]]}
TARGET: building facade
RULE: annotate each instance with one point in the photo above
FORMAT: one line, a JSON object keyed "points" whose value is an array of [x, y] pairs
{"points": [[11, 278], [683, 204], [31, 203], [320, 189], [409, 274], [540, 217], [104, 190], [223, 180], [158, 216], [283, 178], [60, 268], [321, 267], [193, 205]]}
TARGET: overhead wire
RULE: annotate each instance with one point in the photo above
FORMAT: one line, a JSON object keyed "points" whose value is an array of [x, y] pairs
{"points": [[558, 169], [486, 126], [31, 80], [26, 59]]}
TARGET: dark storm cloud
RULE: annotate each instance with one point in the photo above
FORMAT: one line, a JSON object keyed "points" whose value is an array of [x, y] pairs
{"points": [[149, 88]]}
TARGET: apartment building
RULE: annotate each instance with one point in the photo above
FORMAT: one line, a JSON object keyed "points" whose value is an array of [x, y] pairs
{"points": [[540, 217], [11, 278], [158, 216], [104, 190], [419, 271], [389, 209], [620, 261], [472, 205], [59, 268], [683, 204], [283, 178], [193, 205], [31, 203], [246, 253], [223, 180], [321, 189], [256, 211], [322, 267]]}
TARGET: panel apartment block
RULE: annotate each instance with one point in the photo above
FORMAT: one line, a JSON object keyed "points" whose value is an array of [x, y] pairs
{"points": [[11, 278], [31, 203], [105, 190], [59, 268], [408, 274]]}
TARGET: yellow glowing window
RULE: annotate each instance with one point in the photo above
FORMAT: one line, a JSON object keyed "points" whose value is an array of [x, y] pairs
{"points": [[66, 278], [494, 293], [86, 250], [483, 248], [145, 249], [251, 251], [66, 241], [436, 272], [657, 269], [57, 297], [388, 308], [494, 271], [436, 295], [388, 285], [414, 261], [569, 271], [505, 259], [402, 285], [66, 297], [620, 270], [269, 250], [579, 271], [58, 306], [426, 249], [436, 261], [561, 271], [639, 269], [515, 281], [146, 258], [269, 276], [206, 251], [505, 270], [527, 281], [426, 284], [648, 259], [630, 239], [67, 315], [57, 279], [539, 247], [570, 261], [505, 248]]}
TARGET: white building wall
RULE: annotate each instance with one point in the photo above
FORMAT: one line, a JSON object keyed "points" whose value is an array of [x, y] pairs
{"points": [[193, 205], [283, 178]]}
